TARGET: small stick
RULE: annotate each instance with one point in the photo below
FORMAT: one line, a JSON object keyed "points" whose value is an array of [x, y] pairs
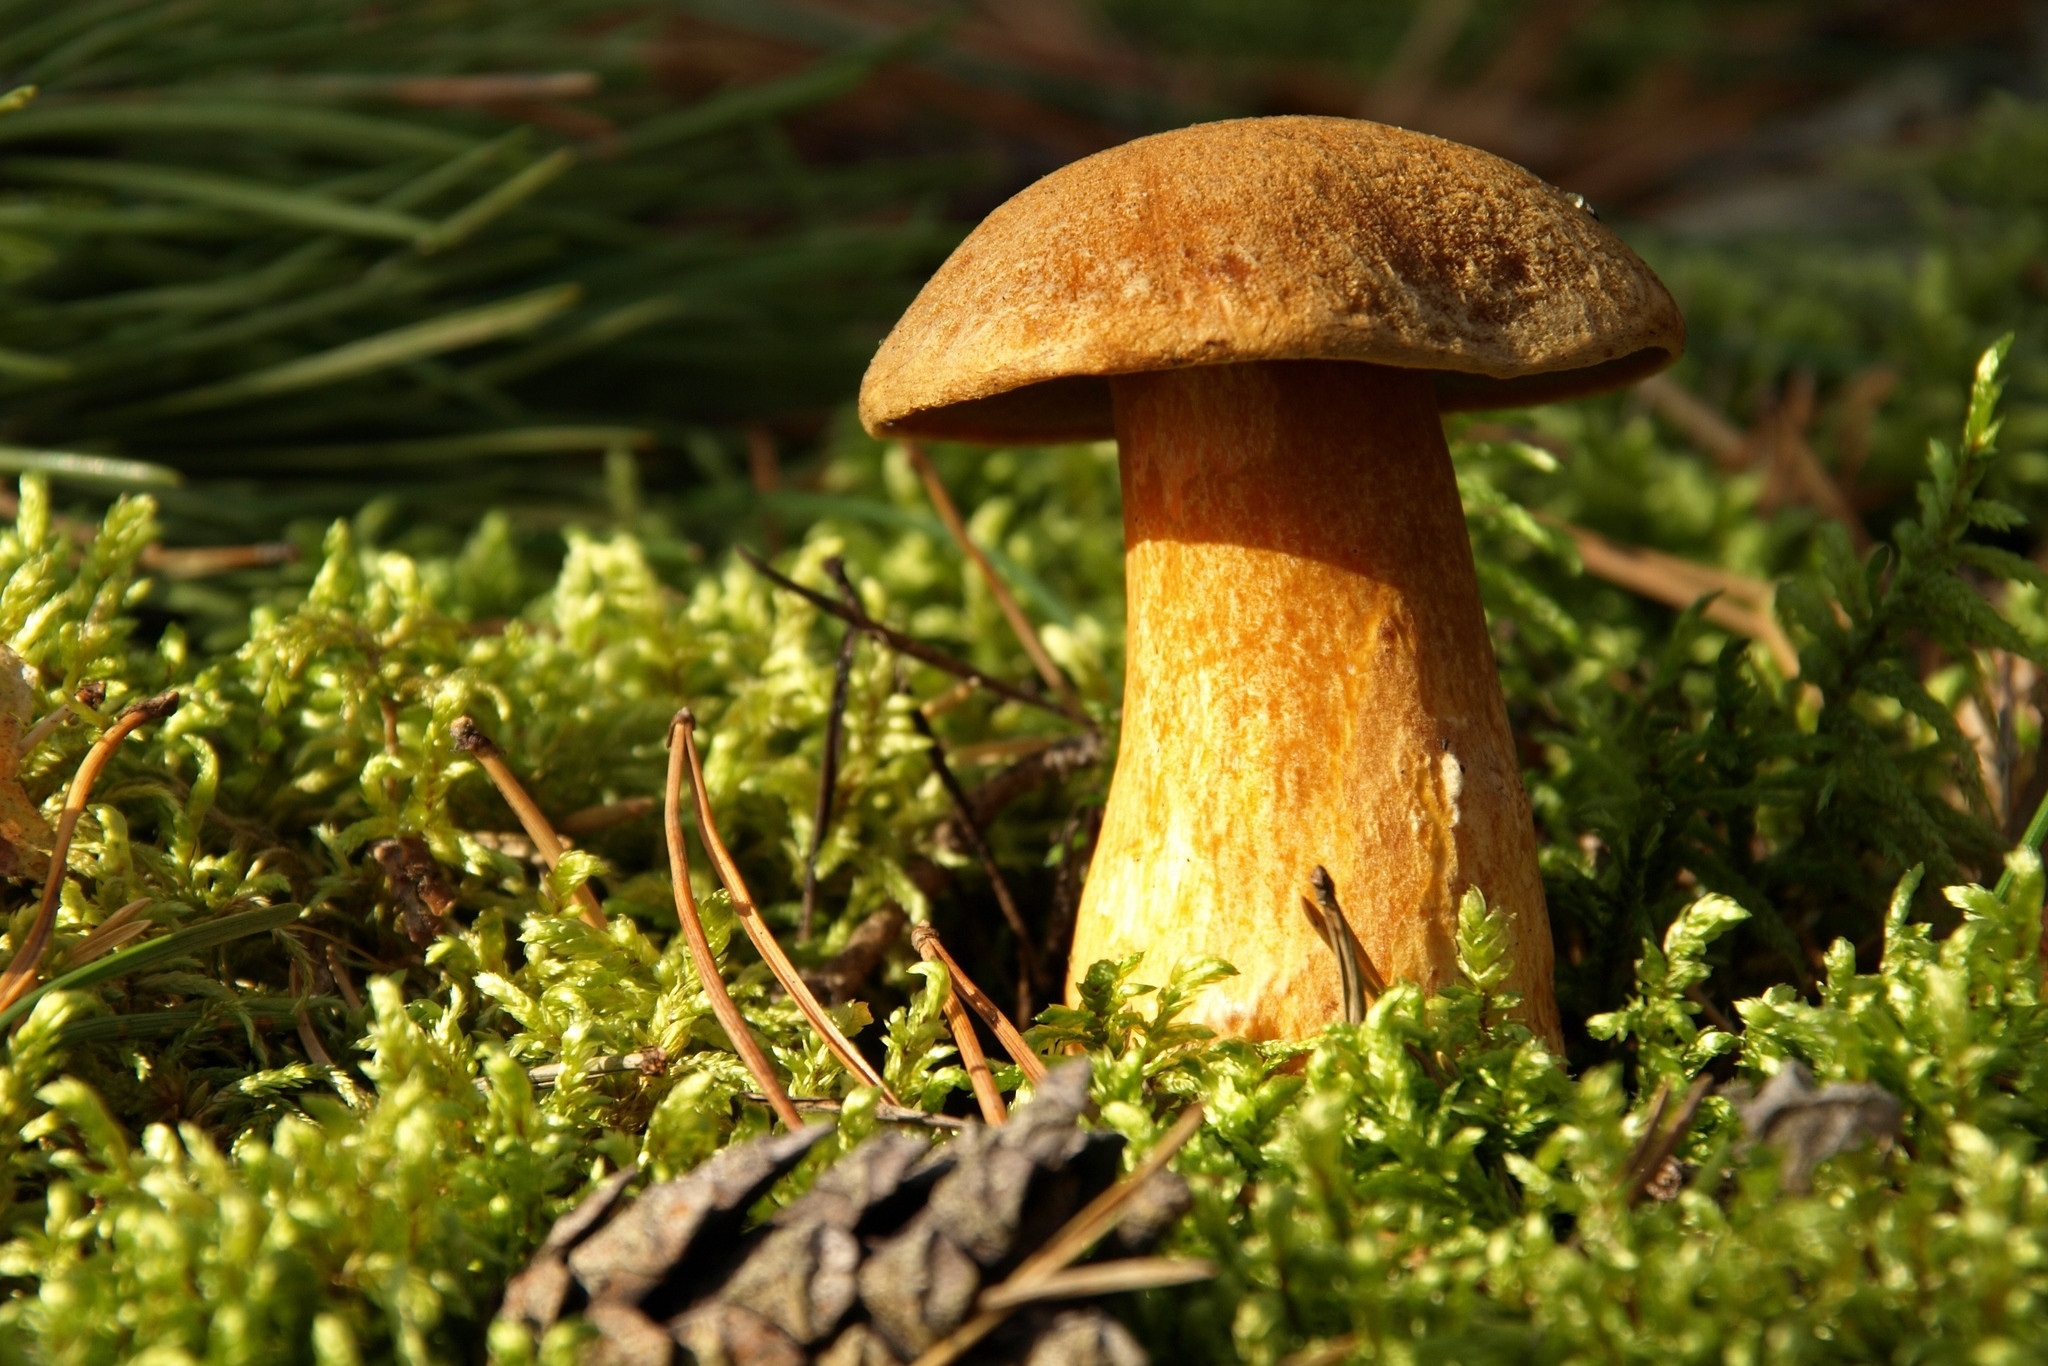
{"points": [[173, 562], [1677, 582], [1699, 421], [1360, 981], [828, 765], [309, 1038], [594, 818], [470, 739], [490, 88], [887, 1113], [343, 983], [387, 707], [1715, 1015], [201, 561], [1325, 1353], [729, 1017], [1080, 1233], [990, 751], [841, 977], [1028, 965], [648, 1062], [1048, 764], [88, 698], [1104, 1278], [950, 698], [971, 1057], [1020, 625], [20, 974], [750, 920], [897, 641], [1657, 1146], [924, 937]]}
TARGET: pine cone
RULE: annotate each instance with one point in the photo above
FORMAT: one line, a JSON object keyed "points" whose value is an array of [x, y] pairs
{"points": [[885, 1255]]}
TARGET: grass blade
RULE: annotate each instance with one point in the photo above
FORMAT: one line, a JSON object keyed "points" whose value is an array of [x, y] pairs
{"points": [[153, 952], [514, 441], [449, 332], [106, 471], [225, 192], [814, 84], [331, 129], [500, 199]]}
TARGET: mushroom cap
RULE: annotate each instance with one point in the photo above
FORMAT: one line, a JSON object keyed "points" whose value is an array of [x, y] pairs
{"points": [[1291, 238]]}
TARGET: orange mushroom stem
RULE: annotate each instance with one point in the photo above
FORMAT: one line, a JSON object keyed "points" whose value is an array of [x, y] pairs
{"points": [[1269, 314], [1309, 681]]}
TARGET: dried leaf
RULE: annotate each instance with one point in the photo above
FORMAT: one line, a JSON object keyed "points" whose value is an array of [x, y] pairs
{"points": [[419, 886]]}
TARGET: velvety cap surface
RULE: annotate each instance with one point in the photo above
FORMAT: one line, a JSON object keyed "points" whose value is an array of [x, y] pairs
{"points": [[1268, 239]]}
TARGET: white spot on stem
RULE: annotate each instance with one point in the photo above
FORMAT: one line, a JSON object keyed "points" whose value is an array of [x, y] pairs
{"points": [[1454, 784]]}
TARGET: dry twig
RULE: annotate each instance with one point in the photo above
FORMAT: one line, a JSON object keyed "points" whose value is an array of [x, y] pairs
{"points": [[203, 561], [972, 1058], [1857, 404], [1794, 471], [1744, 604], [89, 697], [21, 972], [884, 1111], [722, 1005], [828, 764], [1048, 763], [1103, 1278], [591, 819], [1327, 1353], [902, 644], [1697, 420], [1659, 1140], [842, 976], [749, 915], [343, 983], [1030, 968], [924, 937], [648, 1062], [1006, 601], [470, 738]]}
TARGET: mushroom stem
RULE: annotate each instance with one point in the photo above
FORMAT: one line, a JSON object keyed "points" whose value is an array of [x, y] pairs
{"points": [[1309, 681]]}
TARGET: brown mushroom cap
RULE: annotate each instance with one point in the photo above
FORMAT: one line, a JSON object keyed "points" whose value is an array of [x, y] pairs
{"points": [[1289, 238]]}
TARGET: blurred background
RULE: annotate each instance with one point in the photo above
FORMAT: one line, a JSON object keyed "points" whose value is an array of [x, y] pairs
{"points": [[529, 253]]}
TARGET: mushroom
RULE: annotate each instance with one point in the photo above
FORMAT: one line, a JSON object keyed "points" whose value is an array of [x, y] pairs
{"points": [[1269, 315]]}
